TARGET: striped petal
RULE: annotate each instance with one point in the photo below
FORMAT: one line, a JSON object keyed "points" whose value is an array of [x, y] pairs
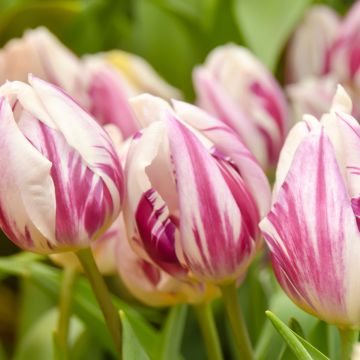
{"points": [[109, 95], [83, 134], [312, 235], [151, 206], [27, 195], [215, 240], [227, 142]]}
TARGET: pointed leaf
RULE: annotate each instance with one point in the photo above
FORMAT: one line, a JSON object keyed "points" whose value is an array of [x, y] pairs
{"points": [[300, 347], [132, 349], [266, 25]]}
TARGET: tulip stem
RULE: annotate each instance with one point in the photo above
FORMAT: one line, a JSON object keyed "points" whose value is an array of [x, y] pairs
{"points": [[236, 319], [103, 297], [209, 332], [62, 335], [348, 337]]}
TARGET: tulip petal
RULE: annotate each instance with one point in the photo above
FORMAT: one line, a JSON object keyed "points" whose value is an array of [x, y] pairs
{"points": [[109, 98], [27, 195], [225, 140], [83, 134], [293, 140], [312, 234], [215, 242], [212, 99], [151, 225]]}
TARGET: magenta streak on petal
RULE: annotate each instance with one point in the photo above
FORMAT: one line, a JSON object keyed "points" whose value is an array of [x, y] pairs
{"points": [[109, 102], [82, 198], [270, 104], [225, 251], [157, 236], [298, 266], [243, 197], [150, 271], [217, 107]]}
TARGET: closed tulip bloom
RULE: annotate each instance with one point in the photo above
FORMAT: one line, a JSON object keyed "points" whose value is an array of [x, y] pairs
{"points": [[236, 88], [313, 227], [189, 208], [314, 37], [344, 58], [61, 183]]}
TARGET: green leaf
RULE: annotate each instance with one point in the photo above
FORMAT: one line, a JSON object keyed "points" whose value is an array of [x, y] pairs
{"points": [[172, 333], [267, 24], [300, 347], [132, 349], [38, 340], [296, 327], [319, 337], [85, 306]]}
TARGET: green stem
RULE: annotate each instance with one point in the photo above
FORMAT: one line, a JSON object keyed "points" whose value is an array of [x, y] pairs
{"points": [[208, 329], [348, 337], [102, 294], [68, 280], [236, 319]]}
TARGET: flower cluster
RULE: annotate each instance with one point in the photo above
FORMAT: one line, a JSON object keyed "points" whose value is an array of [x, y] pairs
{"points": [[99, 152]]}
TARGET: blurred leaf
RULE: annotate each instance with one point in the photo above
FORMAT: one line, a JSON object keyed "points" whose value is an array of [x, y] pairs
{"points": [[267, 24], [318, 336], [33, 303], [172, 333], [300, 347], [20, 15], [132, 349], [166, 43], [269, 343], [201, 12], [2, 352], [296, 327], [84, 303], [38, 340]]}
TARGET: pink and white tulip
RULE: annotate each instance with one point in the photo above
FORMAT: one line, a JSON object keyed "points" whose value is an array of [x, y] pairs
{"points": [[237, 89], [101, 83], [313, 227], [344, 58], [61, 183], [190, 207], [309, 48]]}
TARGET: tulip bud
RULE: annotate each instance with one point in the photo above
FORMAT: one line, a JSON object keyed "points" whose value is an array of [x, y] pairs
{"points": [[61, 183], [190, 209], [309, 48], [237, 89], [344, 59], [313, 227], [311, 96]]}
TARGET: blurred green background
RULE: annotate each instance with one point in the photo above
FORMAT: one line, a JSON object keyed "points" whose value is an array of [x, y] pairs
{"points": [[173, 35]]}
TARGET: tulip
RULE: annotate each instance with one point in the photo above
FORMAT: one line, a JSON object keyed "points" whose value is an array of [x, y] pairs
{"points": [[311, 96], [312, 230], [153, 286], [190, 209], [344, 59], [309, 48], [61, 183], [101, 83], [237, 89]]}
